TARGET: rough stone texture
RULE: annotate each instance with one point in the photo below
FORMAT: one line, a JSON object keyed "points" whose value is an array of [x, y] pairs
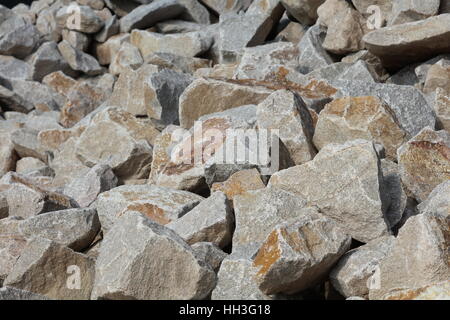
{"points": [[438, 291], [45, 259], [293, 33], [8, 293], [111, 28], [437, 77], [299, 253], [7, 154], [128, 57], [438, 201], [220, 7], [210, 253], [78, 60], [176, 62], [239, 183], [26, 198], [137, 247], [105, 52], [418, 258], [312, 54], [4, 209], [345, 27], [87, 188], [351, 275], [76, 39], [345, 182], [352, 118], [148, 15], [18, 36], [118, 139], [11, 246], [12, 68], [211, 221], [402, 44], [190, 44], [204, 97], [287, 113], [79, 18], [258, 61], [404, 11], [424, 162], [304, 11], [157, 203], [74, 228], [258, 212]]}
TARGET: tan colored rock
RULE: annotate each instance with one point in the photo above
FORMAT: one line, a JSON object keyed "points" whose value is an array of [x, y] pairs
{"points": [[105, 52], [424, 162], [189, 44], [176, 62], [128, 57], [345, 182], [437, 77], [419, 257], [293, 33], [240, 183], [160, 204], [438, 291], [204, 97], [299, 253], [286, 112], [404, 11], [345, 27], [352, 118], [116, 138], [8, 155], [45, 259], [11, 245], [442, 108]]}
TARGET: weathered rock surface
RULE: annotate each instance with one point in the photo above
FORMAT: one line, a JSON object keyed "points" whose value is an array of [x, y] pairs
{"points": [[304, 11], [424, 162], [351, 274], [210, 253], [352, 118], [78, 60], [157, 203], [58, 265], [79, 18], [438, 201], [345, 182], [140, 259], [298, 253], [9, 293], [211, 221]]}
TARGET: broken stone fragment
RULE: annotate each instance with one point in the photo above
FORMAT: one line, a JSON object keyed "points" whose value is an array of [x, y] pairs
{"points": [[45, 259], [438, 291], [190, 44], [74, 228], [8, 293], [26, 198], [211, 221], [105, 52], [404, 11], [12, 68], [176, 62], [78, 60], [118, 139], [138, 255], [145, 16], [160, 204], [204, 97], [287, 113], [351, 274], [76, 39], [438, 201], [312, 54], [424, 162], [402, 44], [239, 183], [111, 28], [352, 118], [299, 253], [304, 11], [128, 57], [11, 246], [422, 245], [345, 182], [79, 18], [86, 189], [4, 208]]}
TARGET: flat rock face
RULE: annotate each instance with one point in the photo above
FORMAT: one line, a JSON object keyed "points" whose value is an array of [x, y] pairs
{"points": [[304, 11], [358, 206], [438, 201], [203, 97], [140, 259], [404, 11], [287, 113], [352, 118], [258, 212], [410, 42], [424, 162], [211, 221], [157, 203], [86, 21], [421, 245], [78, 60], [210, 253], [299, 253], [351, 274], [54, 262]]}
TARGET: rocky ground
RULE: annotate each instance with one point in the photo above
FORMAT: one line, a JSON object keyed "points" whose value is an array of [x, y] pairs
{"points": [[99, 99]]}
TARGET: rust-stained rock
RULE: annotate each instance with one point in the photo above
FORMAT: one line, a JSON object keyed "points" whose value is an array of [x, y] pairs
{"points": [[299, 253], [352, 118], [160, 204], [424, 162], [438, 291]]}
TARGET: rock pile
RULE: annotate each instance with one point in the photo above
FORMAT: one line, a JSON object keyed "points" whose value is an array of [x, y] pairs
{"points": [[210, 149]]}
